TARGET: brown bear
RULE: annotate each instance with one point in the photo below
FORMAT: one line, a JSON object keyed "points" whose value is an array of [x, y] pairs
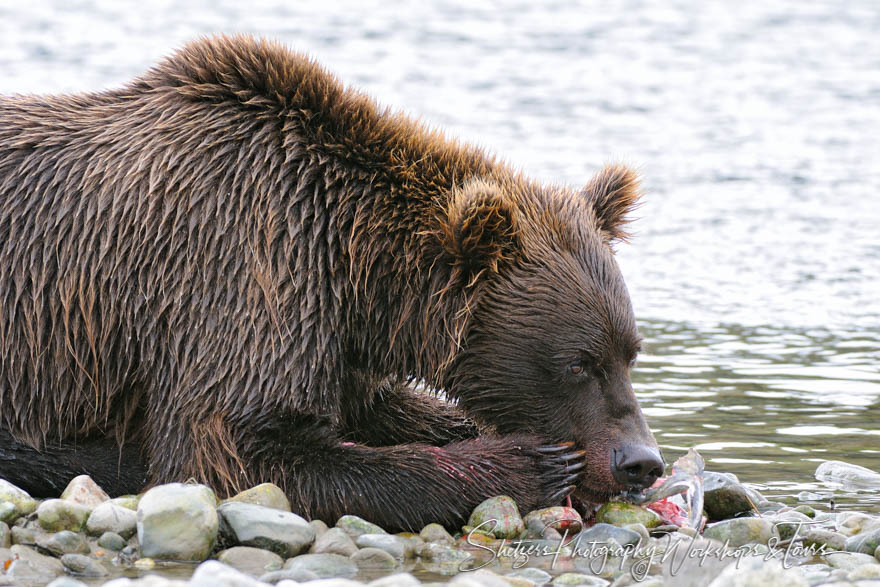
{"points": [[236, 270]]}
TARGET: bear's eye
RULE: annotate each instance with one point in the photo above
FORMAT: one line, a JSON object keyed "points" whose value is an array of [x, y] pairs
{"points": [[577, 369]]}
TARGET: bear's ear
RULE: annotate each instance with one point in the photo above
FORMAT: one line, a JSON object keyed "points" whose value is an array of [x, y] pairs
{"points": [[478, 230], [614, 193]]}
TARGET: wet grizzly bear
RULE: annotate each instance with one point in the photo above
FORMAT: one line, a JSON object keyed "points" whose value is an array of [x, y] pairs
{"points": [[233, 269]]}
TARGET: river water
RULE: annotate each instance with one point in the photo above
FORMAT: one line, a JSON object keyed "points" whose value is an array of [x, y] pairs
{"points": [[755, 269]]}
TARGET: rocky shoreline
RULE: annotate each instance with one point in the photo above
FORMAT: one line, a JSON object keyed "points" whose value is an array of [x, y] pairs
{"points": [[178, 534]]}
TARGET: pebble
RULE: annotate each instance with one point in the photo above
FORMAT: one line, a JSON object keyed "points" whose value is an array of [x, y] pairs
{"points": [[283, 533], [790, 523], [37, 560], [323, 565], [23, 572], [556, 518], [395, 580], [111, 541], [8, 512], [65, 542], [537, 576], [436, 533], [355, 526], [294, 575], [129, 502], [55, 515], [740, 531], [396, 546], [5, 535], [84, 491], [109, 517], [756, 572], [817, 537], [498, 515], [724, 496], [334, 541], [177, 522], [373, 558], [66, 582], [806, 510], [602, 532], [319, 527], [479, 578], [848, 560], [620, 514], [847, 475], [443, 553], [215, 574], [578, 579], [266, 494], [24, 503], [82, 565], [865, 542], [250, 560], [23, 535]]}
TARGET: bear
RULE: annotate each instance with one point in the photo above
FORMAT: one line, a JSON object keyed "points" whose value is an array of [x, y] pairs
{"points": [[234, 269]]}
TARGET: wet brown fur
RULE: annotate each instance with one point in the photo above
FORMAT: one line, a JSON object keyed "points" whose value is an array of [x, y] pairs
{"points": [[237, 264]]}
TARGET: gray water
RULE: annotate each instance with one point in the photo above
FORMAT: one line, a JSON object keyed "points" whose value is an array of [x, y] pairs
{"points": [[755, 125]]}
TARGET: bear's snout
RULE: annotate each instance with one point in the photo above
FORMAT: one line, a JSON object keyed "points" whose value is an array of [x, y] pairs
{"points": [[636, 466]]}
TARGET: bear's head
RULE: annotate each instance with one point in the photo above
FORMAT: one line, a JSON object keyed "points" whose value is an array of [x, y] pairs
{"points": [[551, 337]]}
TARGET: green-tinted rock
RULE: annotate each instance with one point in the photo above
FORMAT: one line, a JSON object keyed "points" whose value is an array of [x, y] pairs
{"points": [[8, 512], [266, 494], [55, 515], [24, 503], [498, 515], [739, 531], [65, 542], [83, 566], [817, 538], [724, 496], [111, 541], [866, 542], [373, 558], [129, 502], [5, 536], [177, 522], [437, 552], [250, 560], [806, 510], [322, 565], [791, 522], [620, 514], [355, 526]]}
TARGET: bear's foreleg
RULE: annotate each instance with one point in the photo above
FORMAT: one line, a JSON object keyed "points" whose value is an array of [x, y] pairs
{"points": [[406, 486], [400, 414]]}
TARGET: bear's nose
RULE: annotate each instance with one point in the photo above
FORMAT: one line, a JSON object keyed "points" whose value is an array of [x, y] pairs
{"points": [[636, 466]]}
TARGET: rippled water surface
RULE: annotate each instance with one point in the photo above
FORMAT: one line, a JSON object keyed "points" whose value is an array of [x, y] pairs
{"points": [[755, 125]]}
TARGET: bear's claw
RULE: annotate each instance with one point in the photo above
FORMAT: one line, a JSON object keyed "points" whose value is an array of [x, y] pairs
{"points": [[549, 449], [564, 469]]}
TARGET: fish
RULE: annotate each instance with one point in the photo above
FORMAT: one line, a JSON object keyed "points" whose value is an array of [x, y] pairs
{"points": [[687, 478]]}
